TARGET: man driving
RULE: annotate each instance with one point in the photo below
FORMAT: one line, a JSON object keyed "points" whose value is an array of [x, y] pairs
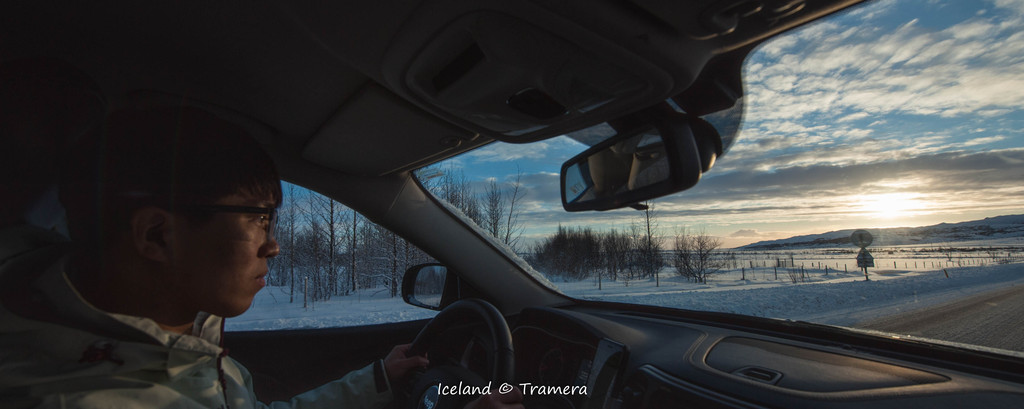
{"points": [[171, 212]]}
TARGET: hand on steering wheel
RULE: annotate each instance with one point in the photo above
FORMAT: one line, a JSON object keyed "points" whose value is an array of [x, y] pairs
{"points": [[400, 363], [427, 391]]}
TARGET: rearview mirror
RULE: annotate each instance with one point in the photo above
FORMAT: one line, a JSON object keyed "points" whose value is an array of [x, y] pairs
{"points": [[664, 153]]}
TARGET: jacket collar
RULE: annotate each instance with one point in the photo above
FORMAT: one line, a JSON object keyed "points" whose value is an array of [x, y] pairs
{"points": [[69, 304]]}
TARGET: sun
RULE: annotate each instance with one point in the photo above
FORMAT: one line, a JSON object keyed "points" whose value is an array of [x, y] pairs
{"points": [[890, 206]]}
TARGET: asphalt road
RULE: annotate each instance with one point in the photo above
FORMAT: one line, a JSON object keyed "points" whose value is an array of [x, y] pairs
{"points": [[992, 319]]}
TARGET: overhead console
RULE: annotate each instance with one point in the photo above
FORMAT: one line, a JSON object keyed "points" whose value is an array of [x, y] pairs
{"points": [[519, 73], [516, 78]]}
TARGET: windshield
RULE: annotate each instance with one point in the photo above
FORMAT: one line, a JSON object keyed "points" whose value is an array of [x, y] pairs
{"points": [[898, 120]]}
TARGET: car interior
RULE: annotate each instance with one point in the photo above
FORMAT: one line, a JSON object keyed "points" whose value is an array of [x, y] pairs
{"points": [[350, 98]]}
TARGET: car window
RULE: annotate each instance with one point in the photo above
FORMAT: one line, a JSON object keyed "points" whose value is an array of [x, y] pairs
{"points": [[895, 127], [335, 269]]}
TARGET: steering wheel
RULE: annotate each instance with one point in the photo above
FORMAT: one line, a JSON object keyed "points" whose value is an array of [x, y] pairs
{"points": [[427, 392]]}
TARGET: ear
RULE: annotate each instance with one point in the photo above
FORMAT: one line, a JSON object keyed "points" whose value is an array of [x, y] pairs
{"points": [[151, 229]]}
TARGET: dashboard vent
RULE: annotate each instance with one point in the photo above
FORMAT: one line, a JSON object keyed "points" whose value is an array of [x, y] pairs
{"points": [[759, 374]]}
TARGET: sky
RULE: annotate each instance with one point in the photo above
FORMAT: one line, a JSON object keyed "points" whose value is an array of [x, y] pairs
{"points": [[895, 114]]}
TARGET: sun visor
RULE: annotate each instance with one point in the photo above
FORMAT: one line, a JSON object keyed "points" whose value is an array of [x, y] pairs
{"points": [[376, 133], [521, 81]]}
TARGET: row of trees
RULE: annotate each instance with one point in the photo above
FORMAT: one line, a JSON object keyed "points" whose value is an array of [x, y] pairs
{"points": [[576, 253], [497, 210], [328, 249]]}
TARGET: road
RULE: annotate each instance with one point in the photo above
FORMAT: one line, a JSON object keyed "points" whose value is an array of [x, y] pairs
{"points": [[991, 319]]}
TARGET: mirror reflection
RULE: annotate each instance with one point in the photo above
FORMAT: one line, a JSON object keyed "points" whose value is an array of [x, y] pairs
{"points": [[429, 285], [631, 164]]}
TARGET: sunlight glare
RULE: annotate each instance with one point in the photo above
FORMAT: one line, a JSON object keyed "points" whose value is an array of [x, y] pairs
{"points": [[891, 205]]}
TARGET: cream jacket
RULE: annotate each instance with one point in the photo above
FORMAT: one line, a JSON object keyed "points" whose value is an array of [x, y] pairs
{"points": [[58, 351]]}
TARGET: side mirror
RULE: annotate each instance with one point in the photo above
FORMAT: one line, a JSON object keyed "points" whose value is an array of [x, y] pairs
{"points": [[663, 153], [426, 285]]}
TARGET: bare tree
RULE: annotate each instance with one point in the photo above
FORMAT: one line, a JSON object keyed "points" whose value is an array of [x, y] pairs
{"points": [[513, 228], [652, 244], [315, 232], [645, 257], [353, 239], [287, 219], [494, 210], [572, 253], [393, 279], [694, 255], [328, 214], [615, 248], [499, 210], [454, 188], [311, 246], [635, 257], [948, 251], [374, 253]]}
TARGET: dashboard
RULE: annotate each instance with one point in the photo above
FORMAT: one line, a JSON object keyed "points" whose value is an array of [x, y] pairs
{"points": [[616, 356], [629, 359], [563, 363]]}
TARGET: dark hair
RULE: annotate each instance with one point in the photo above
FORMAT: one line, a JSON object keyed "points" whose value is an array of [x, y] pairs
{"points": [[169, 157]]}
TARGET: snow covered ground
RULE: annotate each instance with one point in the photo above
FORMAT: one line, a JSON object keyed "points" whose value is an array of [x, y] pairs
{"points": [[837, 298], [271, 310]]}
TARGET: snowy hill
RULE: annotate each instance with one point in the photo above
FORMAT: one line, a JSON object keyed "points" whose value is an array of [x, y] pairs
{"points": [[1000, 227]]}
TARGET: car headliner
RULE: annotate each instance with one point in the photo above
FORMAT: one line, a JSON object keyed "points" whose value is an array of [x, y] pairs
{"points": [[332, 88]]}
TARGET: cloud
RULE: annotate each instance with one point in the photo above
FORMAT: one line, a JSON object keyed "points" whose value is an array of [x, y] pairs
{"points": [[543, 187], [506, 152], [854, 117], [983, 141], [1014, 5], [746, 233], [556, 149], [913, 69], [1002, 166]]}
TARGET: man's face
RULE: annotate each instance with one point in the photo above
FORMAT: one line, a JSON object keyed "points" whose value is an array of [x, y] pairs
{"points": [[222, 264]]}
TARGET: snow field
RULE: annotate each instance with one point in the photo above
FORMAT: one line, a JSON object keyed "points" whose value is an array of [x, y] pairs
{"points": [[837, 298]]}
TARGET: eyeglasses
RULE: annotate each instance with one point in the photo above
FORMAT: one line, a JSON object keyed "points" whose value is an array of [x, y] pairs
{"points": [[268, 215]]}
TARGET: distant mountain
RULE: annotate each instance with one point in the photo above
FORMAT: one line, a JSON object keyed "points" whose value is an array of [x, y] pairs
{"points": [[999, 227]]}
